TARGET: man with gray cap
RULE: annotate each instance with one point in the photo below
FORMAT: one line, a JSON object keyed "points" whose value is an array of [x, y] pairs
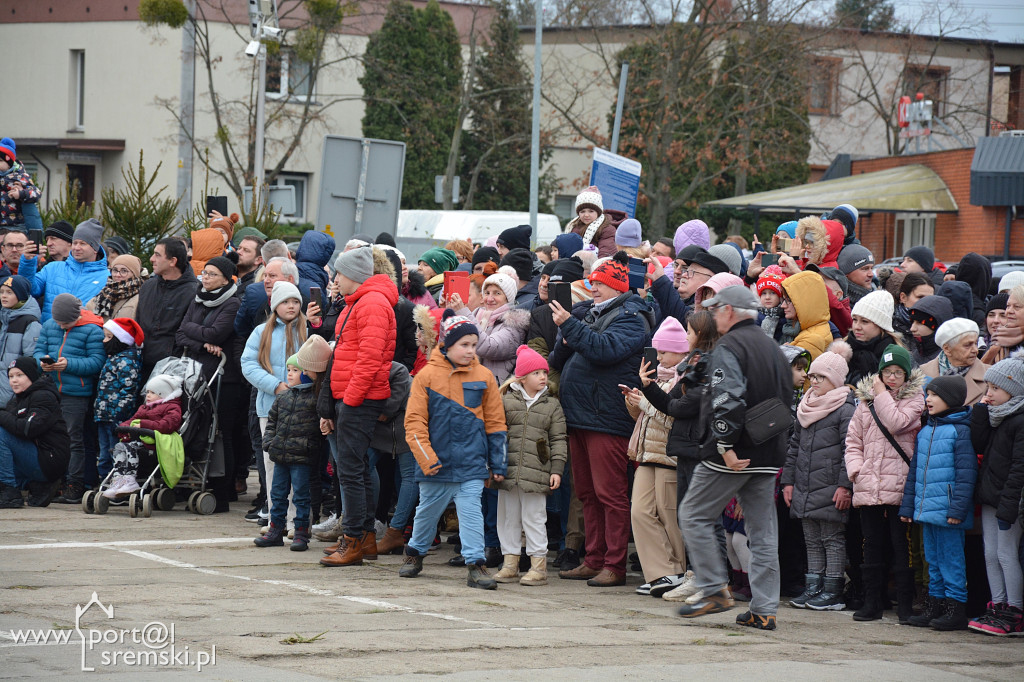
{"points": [[747, 370], [359, 385], [857, 263], [83, 274]]}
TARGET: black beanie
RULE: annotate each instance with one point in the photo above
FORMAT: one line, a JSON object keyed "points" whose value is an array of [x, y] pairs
{"points": [[28, 366], [226, 266], [567, 270], [517, 237], [548, 268], [924, 257], [386, 238], [521, 260], [484, 254], [952, 390], [61, 229], [997, 302]]}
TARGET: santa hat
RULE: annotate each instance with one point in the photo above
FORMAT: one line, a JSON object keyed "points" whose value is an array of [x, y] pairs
{"points": [[126, 330]]}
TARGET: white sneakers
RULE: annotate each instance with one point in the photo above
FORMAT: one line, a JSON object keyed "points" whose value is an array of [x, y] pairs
{"points": [[327, 525], [122, 485], [686, 588]]}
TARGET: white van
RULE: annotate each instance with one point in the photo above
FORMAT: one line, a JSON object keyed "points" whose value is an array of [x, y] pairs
{"points": [[419, 230]]}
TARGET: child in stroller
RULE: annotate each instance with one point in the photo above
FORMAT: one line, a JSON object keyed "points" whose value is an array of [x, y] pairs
{"points": [[161, 412]]}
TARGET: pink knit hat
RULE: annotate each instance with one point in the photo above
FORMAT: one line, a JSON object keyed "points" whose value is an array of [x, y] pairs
{"points": [[671, 337], [832, 366], [529, 360]]}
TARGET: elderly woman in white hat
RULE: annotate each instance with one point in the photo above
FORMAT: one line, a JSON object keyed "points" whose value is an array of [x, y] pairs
{"points": [[958, 339]]}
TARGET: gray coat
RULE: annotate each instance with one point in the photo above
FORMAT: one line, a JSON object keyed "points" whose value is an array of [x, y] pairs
{"points": [[17, 340], [816, 466], [389, 435]]}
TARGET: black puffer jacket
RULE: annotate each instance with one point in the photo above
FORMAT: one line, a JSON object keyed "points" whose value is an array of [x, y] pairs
{"points": [[689, 431], [1001, 476], [215, 326], [389, 435], [162, 305], [35, 415], [293, 433]]}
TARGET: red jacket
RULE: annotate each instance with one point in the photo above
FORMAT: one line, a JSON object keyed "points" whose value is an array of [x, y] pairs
{"points": [[163, 416], [363, 355]]}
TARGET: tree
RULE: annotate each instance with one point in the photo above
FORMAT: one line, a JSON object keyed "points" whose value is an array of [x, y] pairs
{"points": [[411, 83], [867, 15], [140, 214]]}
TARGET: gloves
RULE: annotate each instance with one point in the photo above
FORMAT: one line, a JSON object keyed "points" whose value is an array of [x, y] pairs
{"points": [[1003, 525]]}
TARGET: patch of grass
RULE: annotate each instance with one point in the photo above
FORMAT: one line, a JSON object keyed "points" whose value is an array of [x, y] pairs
{"points": [[700, 642], [58, 626], [23, 587], [887, 642], [734, 634], [366, 613], [299, 639], [489, 603]]}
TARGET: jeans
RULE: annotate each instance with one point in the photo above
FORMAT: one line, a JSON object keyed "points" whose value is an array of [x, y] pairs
{"points": [[353, 428], [107, 439], [408, 492], [947, 566], [489, 505], [434, 499], [373, 456], [19, 461], [82, 432], [294, 478]]}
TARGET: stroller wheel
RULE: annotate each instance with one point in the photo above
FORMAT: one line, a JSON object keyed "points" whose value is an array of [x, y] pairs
{"points": [[164, 499], [134, 505], [87, 501], [191, 506], [205, 503], [100, 504], [147, 505]]}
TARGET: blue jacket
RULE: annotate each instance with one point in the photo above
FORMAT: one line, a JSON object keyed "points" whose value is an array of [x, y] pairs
{"points": [[266, 382], [82, 345], [13, 343], [669, 303], [119, 384], [83, 280], [940, 483], [314, 252], [601, 352]]}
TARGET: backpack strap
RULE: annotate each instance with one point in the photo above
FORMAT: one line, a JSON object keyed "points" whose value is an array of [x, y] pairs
{"points": [[19, 324]]}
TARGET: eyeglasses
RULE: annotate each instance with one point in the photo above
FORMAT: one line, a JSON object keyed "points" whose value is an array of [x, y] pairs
{"points": [[892, 373], [205, 274], [120, 271], [690, 272], [816, 378], [15, 247]]}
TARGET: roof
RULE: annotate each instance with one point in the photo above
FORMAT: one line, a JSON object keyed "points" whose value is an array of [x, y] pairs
{"points": [[997, 172], [911, 189]]}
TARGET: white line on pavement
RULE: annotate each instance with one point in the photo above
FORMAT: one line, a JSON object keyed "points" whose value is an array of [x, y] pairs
{"points": [[125, 543]]}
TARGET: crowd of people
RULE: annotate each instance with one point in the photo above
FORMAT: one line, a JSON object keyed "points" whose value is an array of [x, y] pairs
{"points": [[783, 422]]}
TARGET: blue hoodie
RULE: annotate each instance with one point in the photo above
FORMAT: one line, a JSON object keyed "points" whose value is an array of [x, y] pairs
{"points": [[314, 252]]}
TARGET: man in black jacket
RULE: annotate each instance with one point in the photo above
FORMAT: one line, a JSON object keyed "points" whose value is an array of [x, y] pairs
{"points": [[163, 300], [746, 369]]}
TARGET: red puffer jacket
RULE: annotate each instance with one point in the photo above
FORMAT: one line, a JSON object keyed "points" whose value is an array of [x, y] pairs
{"points": [[362, 358], [163, 416]]}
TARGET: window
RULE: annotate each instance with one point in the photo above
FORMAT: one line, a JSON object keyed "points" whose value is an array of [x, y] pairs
{"points": [[299, 181], [76, 93], [564, 205], [823, 86], [929, 80], [914, 229], [288, 76]]}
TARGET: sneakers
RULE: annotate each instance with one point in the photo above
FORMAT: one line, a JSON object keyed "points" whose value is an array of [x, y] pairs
{"points": [[644, 589], [129, 486], [663, 584], [831, 596], [326, 525], [686, 588], [72, 493], [114, 489], [478, 577], [812, 588], [1001, 620], [715, 603], [753, 620]]}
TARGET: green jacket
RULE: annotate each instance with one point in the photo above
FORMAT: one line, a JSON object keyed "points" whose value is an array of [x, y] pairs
{"points": [[536, 441]]}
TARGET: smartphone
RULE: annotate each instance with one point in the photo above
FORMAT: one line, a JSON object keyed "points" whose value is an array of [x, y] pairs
{"points": [[637, 273], [317, 298], [783, 244], [456, 282], [769, 259], [37, 237], [46, 360], [561, 292], [651, 356], [218, 204]]}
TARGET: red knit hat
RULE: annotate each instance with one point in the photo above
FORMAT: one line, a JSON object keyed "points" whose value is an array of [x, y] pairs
{"points": [[529, 360], [614, 272], [772, 282], [126, 330]]}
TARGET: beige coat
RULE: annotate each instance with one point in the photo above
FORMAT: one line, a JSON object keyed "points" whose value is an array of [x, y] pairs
{"points": [[125, 308], [975, 378], [649, 442]]}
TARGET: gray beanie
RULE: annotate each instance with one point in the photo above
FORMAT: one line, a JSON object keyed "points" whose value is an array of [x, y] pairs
{"points": [[1008, 375], [854, 257], [65, 308], [90, 232], [356, 264], [728, 255]]}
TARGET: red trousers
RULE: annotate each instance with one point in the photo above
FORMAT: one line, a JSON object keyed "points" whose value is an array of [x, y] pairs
{"points": [[599, 464]]}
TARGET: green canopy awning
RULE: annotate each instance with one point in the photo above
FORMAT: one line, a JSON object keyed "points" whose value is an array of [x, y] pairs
{"points": [[910, 189]]}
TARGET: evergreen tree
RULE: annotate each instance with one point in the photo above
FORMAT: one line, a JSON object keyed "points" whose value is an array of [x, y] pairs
{"points": [[411, 81], [867, 15]]}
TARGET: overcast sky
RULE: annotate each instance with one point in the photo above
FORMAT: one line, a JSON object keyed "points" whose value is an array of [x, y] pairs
{"points": [[1004, 18]]}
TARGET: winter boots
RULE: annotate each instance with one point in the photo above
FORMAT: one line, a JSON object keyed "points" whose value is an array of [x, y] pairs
{"points": [[538, 573], [10, 497], [813, 585], [274, 537], [478, 577], [874, 593], [954, 616], [300, 540], [413, 564], [350, 555], [393, 542], [831, 596], [740, 587], [933, 610], [509, 572]]}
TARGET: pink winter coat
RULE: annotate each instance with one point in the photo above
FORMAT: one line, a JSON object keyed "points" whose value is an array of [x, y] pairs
{"points": [[500, 338], [876, 469]]}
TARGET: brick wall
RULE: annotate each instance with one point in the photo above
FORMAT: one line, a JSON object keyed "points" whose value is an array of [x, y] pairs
{"points": [[972, 228]]}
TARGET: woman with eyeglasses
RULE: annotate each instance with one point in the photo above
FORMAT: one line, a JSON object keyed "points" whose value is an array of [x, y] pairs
{"points": [[120, 296]]}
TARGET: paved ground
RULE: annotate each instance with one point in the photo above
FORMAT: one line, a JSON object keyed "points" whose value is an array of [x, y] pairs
{"points": [[204, 576]]}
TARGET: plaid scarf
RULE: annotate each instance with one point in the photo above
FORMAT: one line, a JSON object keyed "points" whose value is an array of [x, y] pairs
{"points": [[114, 293]]}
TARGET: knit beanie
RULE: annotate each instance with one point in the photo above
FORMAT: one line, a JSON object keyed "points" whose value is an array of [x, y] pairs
{"points": [[847, 215], [529, 360], [791, 353], [283, 291], [129, 261], [91, 232], [454, 327], [28, 365], [832, 366], [787, 229], [953, 329], [567, 244], [247, 232], [613, 272], [568, 269], [1011, 280], [932, 311], [439, 260], [65, 308], [19, 285], [878, 307], [853, 257], [357, 264], [589, 198], [517, 237], [313, 355], [61, 229], [771, 282], [504, 282], [629, 233], [485, 254], [923, 256], [997, 302], [952, 389], [226, 224], [1008, 375], [728, 255], [116, 243], [164, 385], [520, 260], [671, 337], [126, 330], [225, 265], [894, 354], [692, 232], [8, 150], [384, 239]]}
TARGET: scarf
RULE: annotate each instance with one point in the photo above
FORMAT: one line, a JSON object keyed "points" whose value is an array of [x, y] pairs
{"points": [[667, 374], [946, 368], [924, 349], [790, 330], [997, 413], [592, 228], [114, 293], [866, 355], [855, 292], [770, 323], [815, 406], [212, 299]]}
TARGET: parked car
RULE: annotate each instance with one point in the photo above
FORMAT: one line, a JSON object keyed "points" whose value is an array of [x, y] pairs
{"points": [[1002, 267]]}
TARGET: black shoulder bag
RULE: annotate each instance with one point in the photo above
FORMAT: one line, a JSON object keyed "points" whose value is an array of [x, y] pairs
{"points": [[888, 436]]}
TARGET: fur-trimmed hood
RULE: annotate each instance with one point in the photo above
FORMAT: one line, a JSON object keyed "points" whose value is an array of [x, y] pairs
{"points": [[427, 323], [382, 264], [828, 238], [913, 385], [515, 318]]}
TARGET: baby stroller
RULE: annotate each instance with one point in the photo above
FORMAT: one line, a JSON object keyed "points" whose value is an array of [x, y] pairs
{"points": [[199, 433]]}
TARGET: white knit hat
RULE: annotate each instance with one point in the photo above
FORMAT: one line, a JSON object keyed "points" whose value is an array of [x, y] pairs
{"points": [[164, 385], [591, 196], [282, 292], [949, 332], [506, 284], [1011, 280], [878, 307]]}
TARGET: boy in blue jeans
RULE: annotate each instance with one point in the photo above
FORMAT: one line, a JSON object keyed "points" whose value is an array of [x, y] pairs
{"points": [[939, 494], [455, 427]]}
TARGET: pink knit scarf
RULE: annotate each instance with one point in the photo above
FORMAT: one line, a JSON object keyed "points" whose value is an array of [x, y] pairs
{"points": [[816, 405]]}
